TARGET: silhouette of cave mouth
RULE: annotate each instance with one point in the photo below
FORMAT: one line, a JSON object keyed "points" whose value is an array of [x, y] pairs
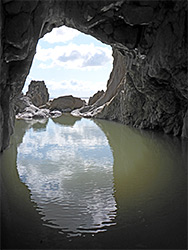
{"points": [[64, 51], [149, 41]]}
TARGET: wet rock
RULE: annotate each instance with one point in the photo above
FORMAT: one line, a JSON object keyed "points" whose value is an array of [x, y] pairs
{"points": [[88, 111], [21, 102], [33, 112], [38, 93], [95, 97], [55, 114], [66, 103]]}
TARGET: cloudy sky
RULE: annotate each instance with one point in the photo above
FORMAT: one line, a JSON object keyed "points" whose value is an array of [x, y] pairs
{"points": [[71, 62]]}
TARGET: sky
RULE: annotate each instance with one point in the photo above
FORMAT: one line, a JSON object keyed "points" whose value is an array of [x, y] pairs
{"points": [[71, 63]]}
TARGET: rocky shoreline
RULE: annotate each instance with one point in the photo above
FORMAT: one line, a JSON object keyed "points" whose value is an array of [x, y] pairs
{"points": [[35, 104]]}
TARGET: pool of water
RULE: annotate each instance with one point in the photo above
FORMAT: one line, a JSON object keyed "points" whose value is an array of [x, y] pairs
{"points": [[81, 183]]}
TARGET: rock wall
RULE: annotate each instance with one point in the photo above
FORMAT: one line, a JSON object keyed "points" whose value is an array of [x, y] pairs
{"points": [[116, 76], [150, 35], [95, 97]]}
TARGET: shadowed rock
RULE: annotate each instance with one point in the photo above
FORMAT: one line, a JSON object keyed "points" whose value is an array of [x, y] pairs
{"points": [[150, 36]]}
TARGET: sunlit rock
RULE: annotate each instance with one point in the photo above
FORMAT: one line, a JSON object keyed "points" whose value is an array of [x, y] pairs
{"points": [[33, 112], [66, 103], [21, 102], [95, 97], [38, 93]]}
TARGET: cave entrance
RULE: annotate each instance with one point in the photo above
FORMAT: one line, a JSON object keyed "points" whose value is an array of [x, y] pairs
{"points": [[71, 63]]}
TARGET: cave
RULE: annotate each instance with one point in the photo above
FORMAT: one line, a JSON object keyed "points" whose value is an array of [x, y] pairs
{"points": [[148, 86]]}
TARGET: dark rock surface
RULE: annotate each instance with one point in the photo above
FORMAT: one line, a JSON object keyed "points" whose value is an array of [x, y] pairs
{"points": [[151, 36], [95, 97], [38, 93]]}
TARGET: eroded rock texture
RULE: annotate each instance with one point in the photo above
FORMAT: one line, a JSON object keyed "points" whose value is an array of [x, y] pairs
{"points": [[150, 35], [95, 97], [38, 93]]}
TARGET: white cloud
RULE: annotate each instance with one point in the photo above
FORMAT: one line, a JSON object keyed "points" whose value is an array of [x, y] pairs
{"points": [[55, 63], [62, 34], [73, 56], [70, 166], [73, 87], [79, 88]]}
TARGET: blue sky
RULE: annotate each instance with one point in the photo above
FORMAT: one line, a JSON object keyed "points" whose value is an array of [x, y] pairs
{"points": [[71, 62]]}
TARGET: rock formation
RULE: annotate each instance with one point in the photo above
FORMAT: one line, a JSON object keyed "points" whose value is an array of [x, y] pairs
{"points": [[118, 73], [151, 37], [66, 103], [21, 102], [95, 97], [38, 93], [33, 112]]}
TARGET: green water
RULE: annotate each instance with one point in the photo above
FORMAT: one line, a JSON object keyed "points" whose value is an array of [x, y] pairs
{"points": [[81, 183]]}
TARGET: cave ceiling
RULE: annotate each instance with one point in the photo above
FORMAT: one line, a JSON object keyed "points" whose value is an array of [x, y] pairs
{"points": [[149, 36]]}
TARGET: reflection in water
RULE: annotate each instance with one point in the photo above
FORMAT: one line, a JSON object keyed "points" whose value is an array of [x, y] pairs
{"points": [[66, 120], [107, 184], [70, 175]]}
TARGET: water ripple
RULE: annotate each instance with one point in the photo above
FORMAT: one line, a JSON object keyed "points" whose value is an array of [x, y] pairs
{"points": [[70, 177]]}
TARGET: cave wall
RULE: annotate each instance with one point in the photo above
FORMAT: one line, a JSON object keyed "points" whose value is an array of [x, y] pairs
{"points": [[150, 35]]}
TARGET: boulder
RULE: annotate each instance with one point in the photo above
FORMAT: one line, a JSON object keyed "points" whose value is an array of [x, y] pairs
{"points": [[95, 97], [38, 93], [21, 102], [66, 103], [33, 112]]}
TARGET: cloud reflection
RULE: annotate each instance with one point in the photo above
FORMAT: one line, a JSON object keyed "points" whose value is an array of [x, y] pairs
{"points": [[70, 176]]}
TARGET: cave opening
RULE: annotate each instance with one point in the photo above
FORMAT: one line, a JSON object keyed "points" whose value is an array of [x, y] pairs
{"points": [[156, 30], [135, 192], [71, 63]]}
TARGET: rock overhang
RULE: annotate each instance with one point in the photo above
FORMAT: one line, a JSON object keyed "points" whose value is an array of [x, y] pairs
{"points": [[149, 40]]}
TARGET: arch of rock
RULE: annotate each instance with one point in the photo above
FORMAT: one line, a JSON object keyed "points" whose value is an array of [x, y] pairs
{"points": [[148, 85]]}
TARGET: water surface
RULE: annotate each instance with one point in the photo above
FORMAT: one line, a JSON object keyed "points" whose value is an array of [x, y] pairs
{"points": [[70, 175], [94, 184]]}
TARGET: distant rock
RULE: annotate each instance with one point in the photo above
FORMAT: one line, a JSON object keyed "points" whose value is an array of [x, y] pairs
{"points": [[95, 97], [38, 93], [26, 110], [66, 103]]}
